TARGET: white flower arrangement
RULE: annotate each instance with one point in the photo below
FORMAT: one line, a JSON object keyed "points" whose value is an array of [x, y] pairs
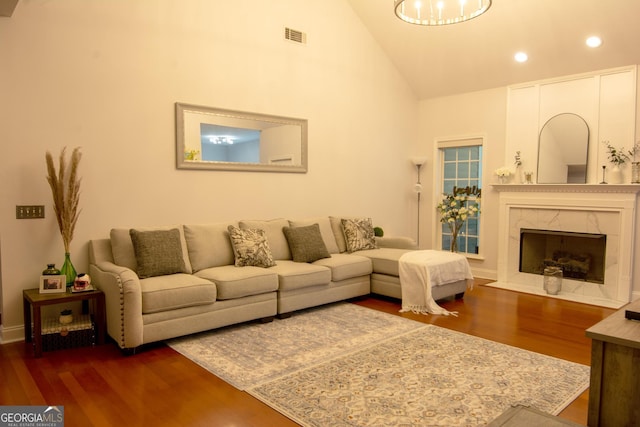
{"points": [[503, 172], [457, 207]]}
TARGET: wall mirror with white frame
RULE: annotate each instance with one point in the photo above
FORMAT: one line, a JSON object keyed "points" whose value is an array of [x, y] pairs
{"points": [[219, 139]]}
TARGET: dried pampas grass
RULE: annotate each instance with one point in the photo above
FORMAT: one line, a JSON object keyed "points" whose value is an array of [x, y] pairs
{"points": [[65, 188]]}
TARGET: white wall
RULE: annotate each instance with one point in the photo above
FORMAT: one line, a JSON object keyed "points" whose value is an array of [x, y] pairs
{"points": [[105, 75], [475, 114]]}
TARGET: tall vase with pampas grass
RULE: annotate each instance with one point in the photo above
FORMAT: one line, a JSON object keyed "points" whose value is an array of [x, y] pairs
{"points": [[65, 189]]}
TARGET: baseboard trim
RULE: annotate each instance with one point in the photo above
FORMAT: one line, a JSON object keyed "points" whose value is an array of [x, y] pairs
{"points": [[12, 334], [484, 273]]}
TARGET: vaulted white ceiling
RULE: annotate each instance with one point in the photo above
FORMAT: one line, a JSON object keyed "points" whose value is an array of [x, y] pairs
{"points": [[478, 54]]}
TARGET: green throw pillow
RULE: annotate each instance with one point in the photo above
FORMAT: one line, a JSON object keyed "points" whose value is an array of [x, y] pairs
{"points": [[158, 252], [358, 234], [250, 247], [306, 243]]}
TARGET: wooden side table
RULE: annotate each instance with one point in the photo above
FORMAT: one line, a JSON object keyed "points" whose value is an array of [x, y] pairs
{"points": [[614, 390], [32, 298]]}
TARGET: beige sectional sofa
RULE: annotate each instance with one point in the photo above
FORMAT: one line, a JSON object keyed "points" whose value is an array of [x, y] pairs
{"points": [[165, 282]]}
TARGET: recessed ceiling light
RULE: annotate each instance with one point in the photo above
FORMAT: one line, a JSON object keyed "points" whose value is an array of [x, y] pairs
{"points": [[594, 41], [521, 57]]}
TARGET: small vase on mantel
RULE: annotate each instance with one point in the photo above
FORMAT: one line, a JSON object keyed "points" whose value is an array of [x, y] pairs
{"points": [[615, 175], [635, 173], [68, 270], [517, 175]]}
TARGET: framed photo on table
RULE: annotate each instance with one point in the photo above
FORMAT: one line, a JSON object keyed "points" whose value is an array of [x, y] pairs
{"points": [[53, 284]]}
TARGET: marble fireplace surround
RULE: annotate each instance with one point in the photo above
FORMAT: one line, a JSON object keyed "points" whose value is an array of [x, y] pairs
{"points": [[584, 208]]}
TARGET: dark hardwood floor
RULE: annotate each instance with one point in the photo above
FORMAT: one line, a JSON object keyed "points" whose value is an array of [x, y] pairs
{"points": [[100, 387]]}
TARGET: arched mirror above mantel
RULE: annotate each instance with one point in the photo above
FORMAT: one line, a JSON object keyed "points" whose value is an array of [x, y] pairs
{"points": [[563, 150]]}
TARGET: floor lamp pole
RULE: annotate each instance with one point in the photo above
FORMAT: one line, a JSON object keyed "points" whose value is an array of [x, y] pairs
{"points": [[418, 220], [418, 162]]}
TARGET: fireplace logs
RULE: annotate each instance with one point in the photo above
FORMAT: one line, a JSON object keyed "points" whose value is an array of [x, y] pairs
{"points": [[575, 266]]}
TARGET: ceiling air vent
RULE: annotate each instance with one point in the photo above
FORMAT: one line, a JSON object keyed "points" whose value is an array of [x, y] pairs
{"points": [[295, 35]]}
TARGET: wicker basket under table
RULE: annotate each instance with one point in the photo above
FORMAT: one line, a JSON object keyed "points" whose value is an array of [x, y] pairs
{"points": [[79, 333]]}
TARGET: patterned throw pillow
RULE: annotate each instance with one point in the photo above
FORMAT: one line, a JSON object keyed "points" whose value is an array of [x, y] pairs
{"points": [[358, 234], [250, 247], [306, 243], [158, 252]]}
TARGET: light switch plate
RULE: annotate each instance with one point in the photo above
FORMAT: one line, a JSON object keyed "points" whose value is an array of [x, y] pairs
{"points": [[29, 212]]}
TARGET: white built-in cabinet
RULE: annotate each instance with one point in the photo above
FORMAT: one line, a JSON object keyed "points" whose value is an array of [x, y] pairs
{"points": [[606, 100]]}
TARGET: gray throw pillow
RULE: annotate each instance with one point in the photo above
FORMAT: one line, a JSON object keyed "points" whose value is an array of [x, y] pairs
{"points": [[358, 234], [158, 252], [306, 243], [250, 247]]}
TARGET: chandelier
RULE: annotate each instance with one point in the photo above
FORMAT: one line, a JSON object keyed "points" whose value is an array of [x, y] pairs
{"points": [[439, 12]]}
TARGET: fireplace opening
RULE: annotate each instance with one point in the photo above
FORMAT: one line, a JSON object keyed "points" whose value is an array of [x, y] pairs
{"points": [[580, 255]]}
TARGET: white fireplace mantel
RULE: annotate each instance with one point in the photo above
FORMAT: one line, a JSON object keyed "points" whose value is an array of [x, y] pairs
{"points": [[591, 208], [568, 188]]}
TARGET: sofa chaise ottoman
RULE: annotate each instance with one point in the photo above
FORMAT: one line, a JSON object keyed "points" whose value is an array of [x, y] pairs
{"points": [[169, 281]]}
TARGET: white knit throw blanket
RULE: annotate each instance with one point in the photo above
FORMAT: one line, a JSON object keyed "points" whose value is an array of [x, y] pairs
{"points": [[420, 270]]}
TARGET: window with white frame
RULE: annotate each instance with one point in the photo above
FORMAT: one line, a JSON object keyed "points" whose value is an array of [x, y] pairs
{"points": [[461, 166]]}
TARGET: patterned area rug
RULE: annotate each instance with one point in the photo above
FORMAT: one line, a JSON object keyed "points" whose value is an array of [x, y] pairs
{"points": [[249, 354], [428, 377], [346, 365]]}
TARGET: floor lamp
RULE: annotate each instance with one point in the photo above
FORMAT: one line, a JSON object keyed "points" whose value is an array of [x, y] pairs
{"points": [[418, 162]]}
